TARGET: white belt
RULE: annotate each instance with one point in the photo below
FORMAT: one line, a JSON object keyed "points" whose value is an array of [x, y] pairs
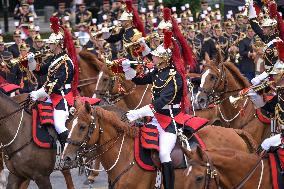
{"points": [[171, 106]]}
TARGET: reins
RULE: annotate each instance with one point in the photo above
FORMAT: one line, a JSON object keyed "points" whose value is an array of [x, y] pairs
{"points": [[24, 104]]}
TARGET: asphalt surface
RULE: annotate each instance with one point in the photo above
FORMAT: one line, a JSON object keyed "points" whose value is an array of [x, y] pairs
{"points": [[58, 182]]}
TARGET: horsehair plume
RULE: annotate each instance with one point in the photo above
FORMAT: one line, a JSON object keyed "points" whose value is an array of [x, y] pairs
{"points": [[280, 49], [112, 118], [187, 54], [272, 10], [167, 39], [129, 5], [136, 19], [179, 65], [54, 24], [167, 14], [71, 51], [272, 6]]}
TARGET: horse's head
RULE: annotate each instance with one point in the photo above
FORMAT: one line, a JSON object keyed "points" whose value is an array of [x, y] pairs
{"points": [[97, 128], [82, 129], [213, 81], [200, 173]]}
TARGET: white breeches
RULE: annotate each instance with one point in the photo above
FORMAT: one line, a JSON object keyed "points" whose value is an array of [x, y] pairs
{"points": [[167, 142], [60, 118], [272, 141]]}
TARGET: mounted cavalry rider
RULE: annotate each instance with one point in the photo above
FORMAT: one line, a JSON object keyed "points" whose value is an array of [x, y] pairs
{"points": [[169, 99], [132, 30], [273, 59], [62, 76]]}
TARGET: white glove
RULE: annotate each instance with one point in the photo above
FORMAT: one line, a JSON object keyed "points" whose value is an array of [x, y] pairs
{"points": [[130, 73], [133, 115], [252, 12], [258, 79], [31, 61], [106, 33], [256, 99], [272, 141], [143, 43], [40, 93]]}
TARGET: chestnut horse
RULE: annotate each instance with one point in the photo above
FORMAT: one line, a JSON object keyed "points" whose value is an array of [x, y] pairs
{"points": [[226, 168], [102, 128], [224, 80], [26, 160]]}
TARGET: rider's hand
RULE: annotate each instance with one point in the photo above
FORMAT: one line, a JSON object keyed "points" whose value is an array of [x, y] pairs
{"points": [[40, 93], [31, 56], [258, 79], [145, 111], [257, 99]]}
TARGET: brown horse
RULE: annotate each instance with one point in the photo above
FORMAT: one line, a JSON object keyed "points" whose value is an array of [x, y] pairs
{"points": [[224, 80], [103, 127], [25, 160], [225, 168]]}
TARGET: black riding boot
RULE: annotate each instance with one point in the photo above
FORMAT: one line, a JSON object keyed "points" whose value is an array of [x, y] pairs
{"points": [[168, 175], [62, 138]]}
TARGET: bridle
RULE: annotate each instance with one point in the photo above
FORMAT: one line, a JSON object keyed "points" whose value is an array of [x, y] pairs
{"points": [[218, 81], [221, 79], [108, 95], [85, 151], [210, 174]]}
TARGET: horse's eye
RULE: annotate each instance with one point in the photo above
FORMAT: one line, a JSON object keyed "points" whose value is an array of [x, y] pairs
{"points": [[82, 127], [212, 77], [105, 79], [199, 178]]}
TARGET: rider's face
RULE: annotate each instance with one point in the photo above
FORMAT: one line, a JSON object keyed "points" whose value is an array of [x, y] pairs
{"points": [[266, 30]]}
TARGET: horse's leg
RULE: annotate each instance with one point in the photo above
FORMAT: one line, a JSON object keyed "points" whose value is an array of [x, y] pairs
{"points": [[68, 178], [43, 182], [14, 182], [25, 184]]}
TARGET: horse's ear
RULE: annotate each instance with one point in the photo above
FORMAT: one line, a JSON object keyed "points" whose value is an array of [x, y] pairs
{"points": [[88, 107], [207, 58], [188, 153]]}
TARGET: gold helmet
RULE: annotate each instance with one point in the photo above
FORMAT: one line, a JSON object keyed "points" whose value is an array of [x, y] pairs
{"points": [[24, 46], [38, 38]]}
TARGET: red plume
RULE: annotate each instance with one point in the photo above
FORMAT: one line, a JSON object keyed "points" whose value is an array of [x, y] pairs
{"points": [[167, 14], [280, 49], [167, 39], [186, 50], [54, 24], [136, 19], [272, 9], [275, 15], [129, 6], [71, 51], [179, 65]]}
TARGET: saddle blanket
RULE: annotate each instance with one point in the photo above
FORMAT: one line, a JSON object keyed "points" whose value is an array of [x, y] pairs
{"points": [[277, 168]]}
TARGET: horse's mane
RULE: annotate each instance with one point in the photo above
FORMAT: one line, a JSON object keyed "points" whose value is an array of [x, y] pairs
{"points": [[92, 59], [237, 74], [9, 100], [113, 115]]}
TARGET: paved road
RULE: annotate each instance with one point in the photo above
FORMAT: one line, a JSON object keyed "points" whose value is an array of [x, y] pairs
{"points": [[58, 181]]}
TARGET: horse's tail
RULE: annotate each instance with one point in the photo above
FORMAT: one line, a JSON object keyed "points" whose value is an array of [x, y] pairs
{"points": [[252, 146]]}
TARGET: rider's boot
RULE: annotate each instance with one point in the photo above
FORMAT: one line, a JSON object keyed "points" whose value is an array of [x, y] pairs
{"points": [[168, 175]]}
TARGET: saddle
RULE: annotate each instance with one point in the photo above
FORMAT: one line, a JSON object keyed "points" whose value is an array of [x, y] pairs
{"points": [[276, 158], [6, 87], [146, 145], [43, 131]]}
